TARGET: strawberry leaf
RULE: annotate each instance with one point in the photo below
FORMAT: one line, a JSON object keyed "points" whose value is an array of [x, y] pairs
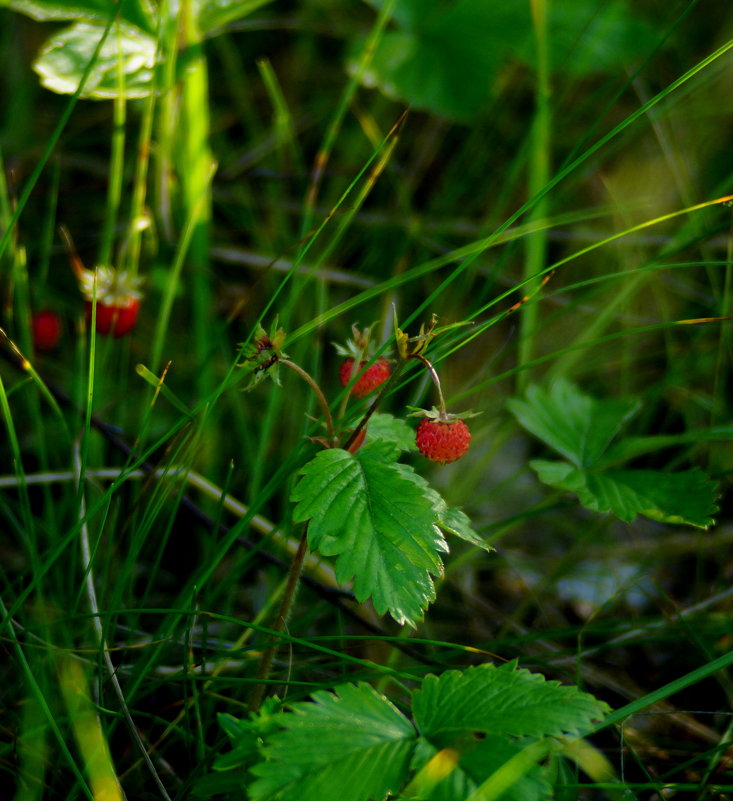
{"points": [[351, 744], [378, 519], [573, 423], [687, 497], [393, 430], [503, 701]]}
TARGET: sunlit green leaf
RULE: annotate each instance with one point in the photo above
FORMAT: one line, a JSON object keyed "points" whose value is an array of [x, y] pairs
{"points": [[65, 56], [379, 521], [392, 429], [135, 12]]}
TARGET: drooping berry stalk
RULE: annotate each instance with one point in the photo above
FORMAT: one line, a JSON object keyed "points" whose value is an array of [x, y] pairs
{"points": [[441, 437], [313, 384]]}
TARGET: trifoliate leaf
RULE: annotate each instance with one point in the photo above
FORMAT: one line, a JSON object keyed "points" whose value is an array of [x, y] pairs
{"points": [[474, 764], [391, 429], [503, 701], [351, 744], [573, 423], [687, 497], [66, 55], [380, 523]]}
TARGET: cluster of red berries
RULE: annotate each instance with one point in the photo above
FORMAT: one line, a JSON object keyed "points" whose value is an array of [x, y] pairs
{"points": [[441, 437]]}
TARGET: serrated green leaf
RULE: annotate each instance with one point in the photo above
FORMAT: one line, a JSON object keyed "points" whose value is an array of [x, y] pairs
{"points": [[687, 497], [680, 498], [503, 701], [351, 744], [392, 429], [457, 522], [135, 12], [573, 423], [65, 56], [378, 521], [216, 14], [478, 762]]}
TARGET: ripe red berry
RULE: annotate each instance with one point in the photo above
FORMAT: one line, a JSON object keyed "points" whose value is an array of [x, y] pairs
{"points": [[442, 441], [46, 326], [115, 319], [368, 381]]}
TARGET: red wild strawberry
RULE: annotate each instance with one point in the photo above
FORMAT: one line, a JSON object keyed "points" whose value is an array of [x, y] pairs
{"points": [[117, 320], [442, 439], [117, 296], [376, 374], [359, 351], [46, 325]]}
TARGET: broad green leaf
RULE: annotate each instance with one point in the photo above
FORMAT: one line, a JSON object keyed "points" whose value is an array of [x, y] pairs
{"points": [[136, 12], [65, 56], [392, 429], [452, 520], [478, 761], [216, 14], [379, 521], [445, 56], [600, 36], [351, 744], [457, 522], [503, 701], [573, 423], [687, 497]]}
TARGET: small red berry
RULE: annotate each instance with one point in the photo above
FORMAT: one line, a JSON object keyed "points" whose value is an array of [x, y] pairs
{"points": [[115, 319], [46, 326], [442, 441], [368, 381], [117, 296]]}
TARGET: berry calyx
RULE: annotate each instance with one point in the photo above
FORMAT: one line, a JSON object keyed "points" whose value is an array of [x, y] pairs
{"points": [[46, 327], [376, 374], [442, 437], [117, 296]]}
